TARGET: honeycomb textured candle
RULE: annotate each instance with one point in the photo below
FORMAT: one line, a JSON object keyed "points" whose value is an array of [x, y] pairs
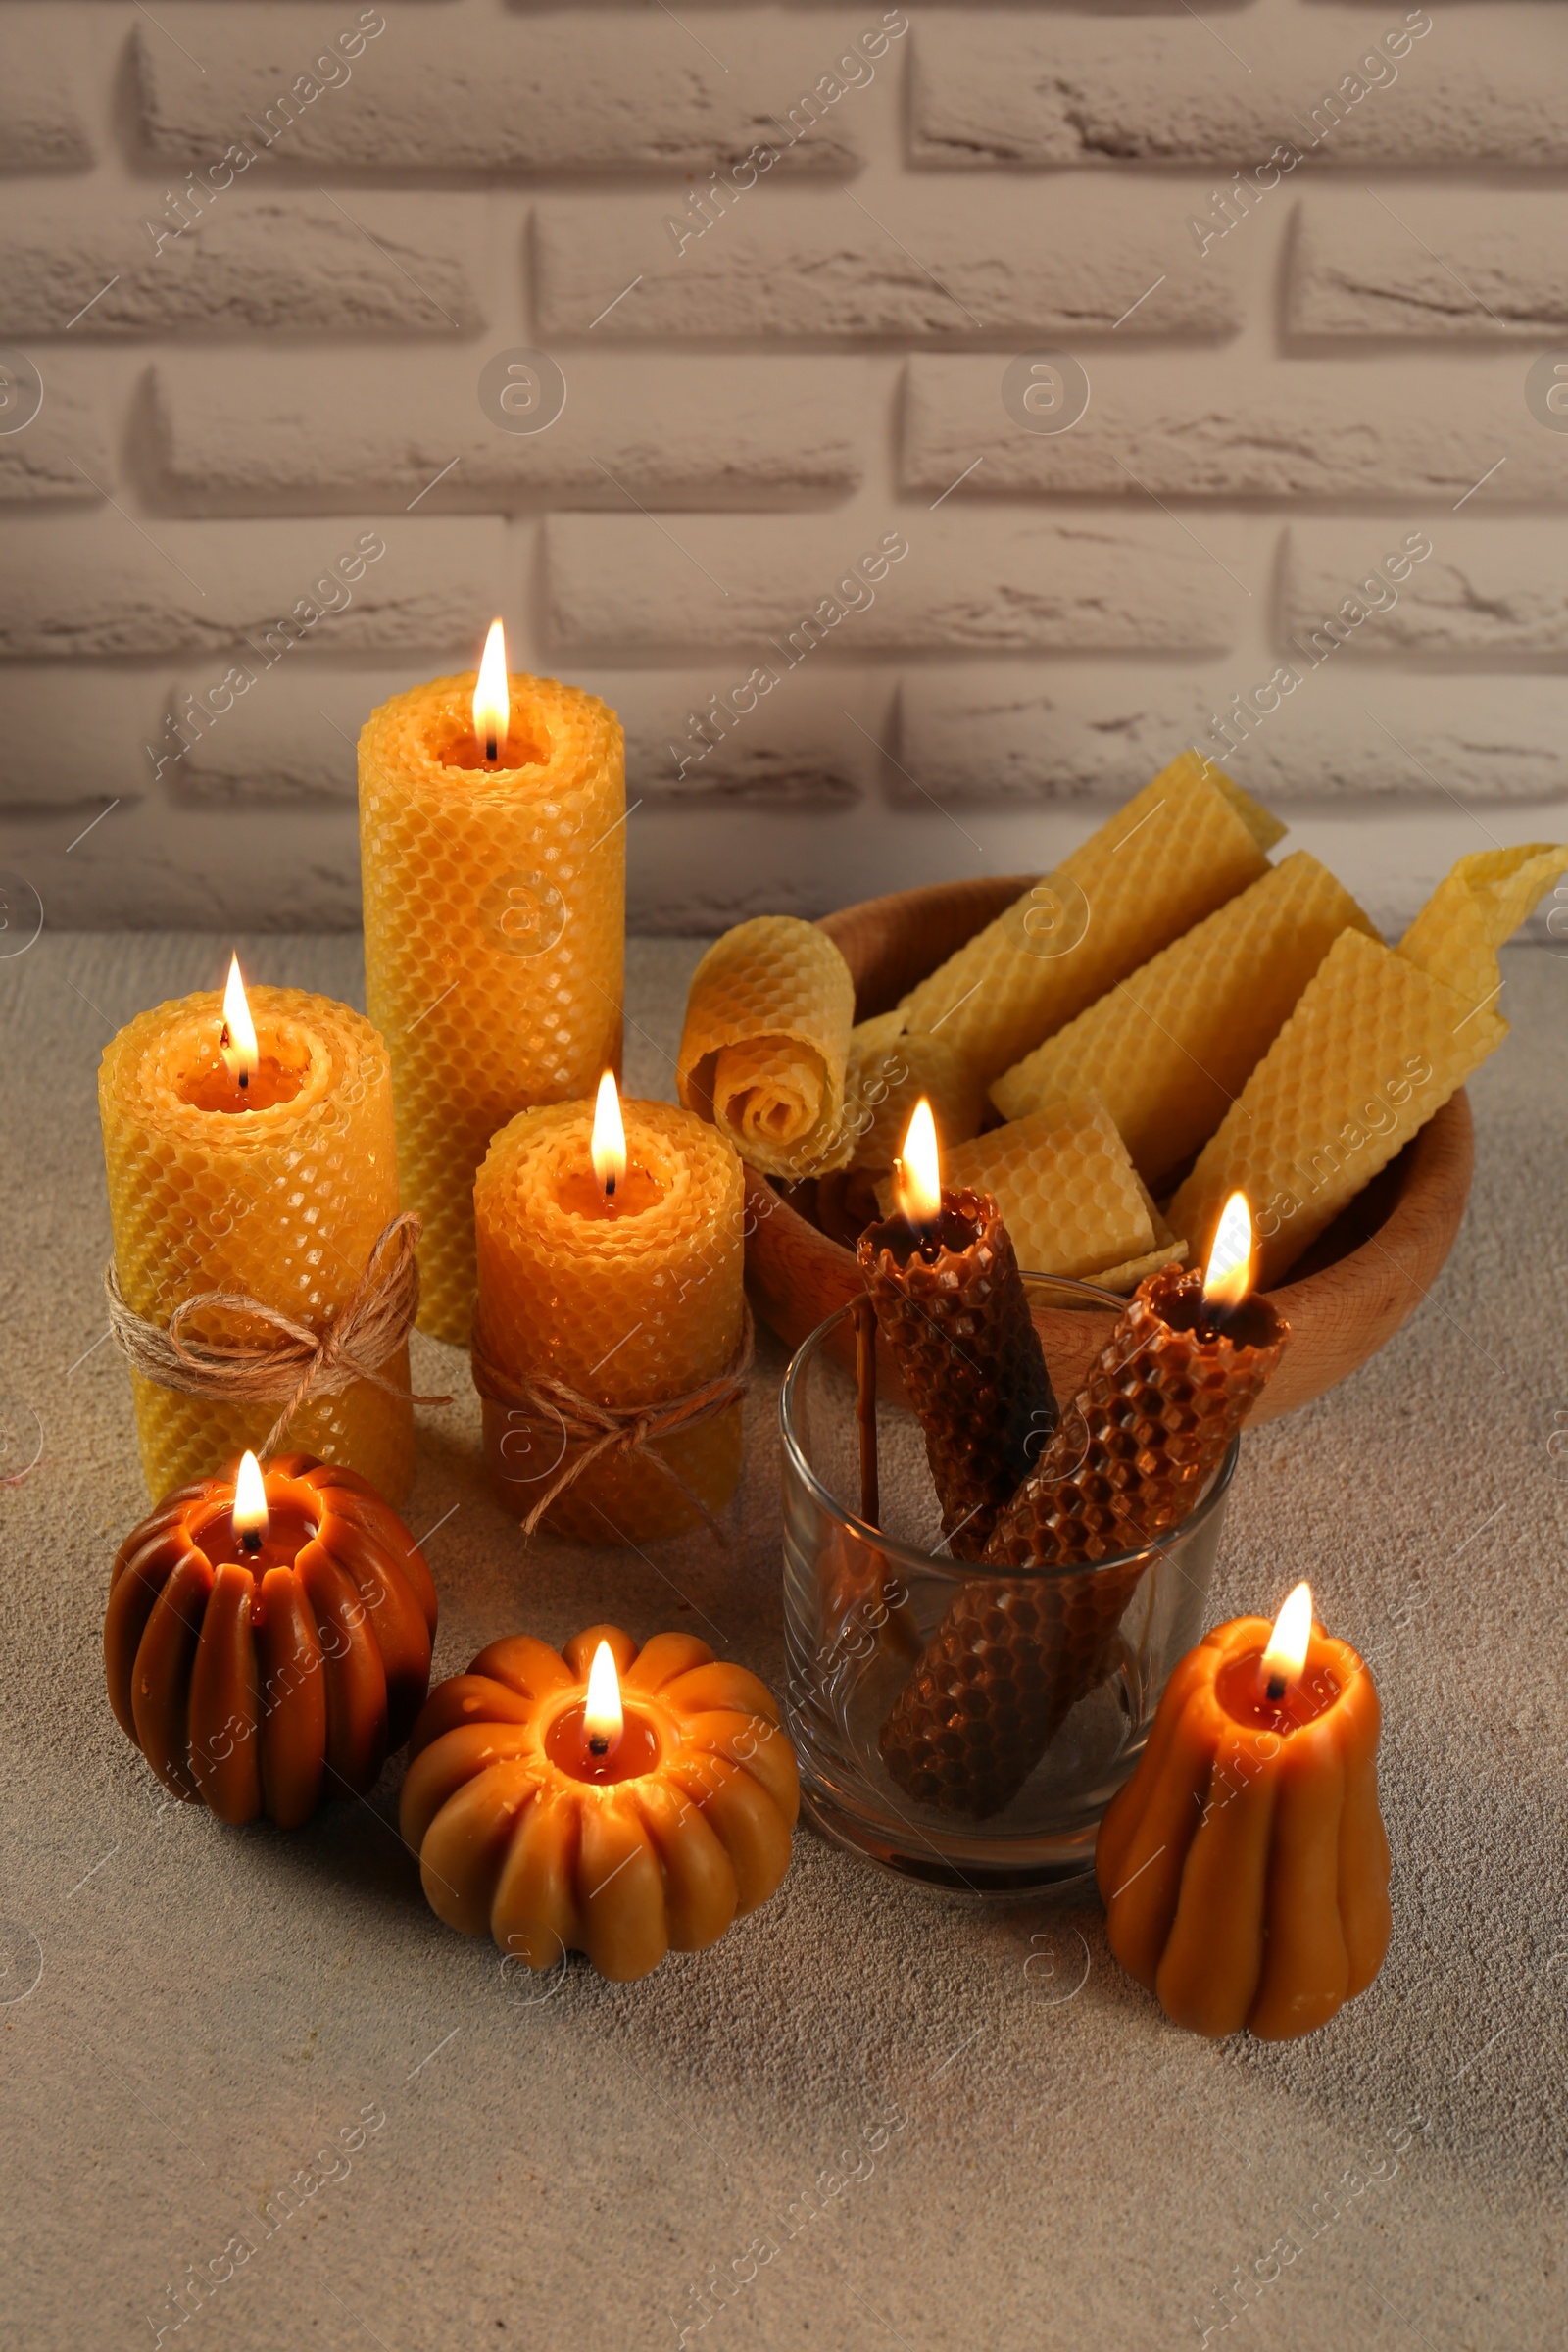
{"points": [[627, 1310], [494, 935], [282, 1203]]}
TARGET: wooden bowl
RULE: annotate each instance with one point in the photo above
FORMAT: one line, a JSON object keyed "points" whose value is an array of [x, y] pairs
{"points": [[1350, 1291]]}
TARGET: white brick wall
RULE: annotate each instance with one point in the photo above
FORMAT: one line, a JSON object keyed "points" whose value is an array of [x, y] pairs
{"points": [[1310, 257]]}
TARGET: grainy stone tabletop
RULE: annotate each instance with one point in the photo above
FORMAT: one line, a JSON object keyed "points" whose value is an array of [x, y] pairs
{"points": [[871, 2116]]}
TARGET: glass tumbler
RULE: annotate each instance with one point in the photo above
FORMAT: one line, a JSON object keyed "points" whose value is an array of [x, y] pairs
{"points": [[862, 1602]]}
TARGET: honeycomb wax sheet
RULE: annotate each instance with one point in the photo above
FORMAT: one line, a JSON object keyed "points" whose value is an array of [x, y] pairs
{"points": [[1180, 848], [1169, 1048]]}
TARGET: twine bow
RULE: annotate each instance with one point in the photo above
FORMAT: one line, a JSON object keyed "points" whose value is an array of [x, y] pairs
{"points": [[301, 1360], [592, 1433]]}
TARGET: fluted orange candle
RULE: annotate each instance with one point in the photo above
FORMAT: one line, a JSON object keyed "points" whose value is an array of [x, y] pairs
{"points": [[492, 852], [612, 1262], [1245, 1867], [617, 1802], [249, 1148]]}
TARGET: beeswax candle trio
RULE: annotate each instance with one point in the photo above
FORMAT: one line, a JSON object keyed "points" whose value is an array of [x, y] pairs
{"points": [[262, 1149]]}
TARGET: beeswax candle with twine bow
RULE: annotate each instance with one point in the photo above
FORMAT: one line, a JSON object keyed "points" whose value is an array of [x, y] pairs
{"points": [[610, 1341], [493, 859], [249, 1150]]}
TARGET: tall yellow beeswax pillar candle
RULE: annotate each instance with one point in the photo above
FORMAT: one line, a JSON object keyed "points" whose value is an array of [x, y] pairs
{"points": [[611, 1261], [256, 1159], [492, 852]]}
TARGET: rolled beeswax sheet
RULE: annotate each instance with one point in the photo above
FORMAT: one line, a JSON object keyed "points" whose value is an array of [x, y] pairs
{"points": [[494, 935], [283, 1203], [1066, 1187], [1182, 845], [1372, 1049], [767, 1038], [1170, 1048], [1380, 1039], [889, 1069]]}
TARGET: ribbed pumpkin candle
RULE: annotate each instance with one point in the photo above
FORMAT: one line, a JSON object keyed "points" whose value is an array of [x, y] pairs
{"points": [[494, 928], [270, 1172], [627, 1292]]}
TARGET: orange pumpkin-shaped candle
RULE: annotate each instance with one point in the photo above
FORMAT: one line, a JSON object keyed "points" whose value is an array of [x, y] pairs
{"points": [[1244, 1866], [611, 1801], [269, 1637]]}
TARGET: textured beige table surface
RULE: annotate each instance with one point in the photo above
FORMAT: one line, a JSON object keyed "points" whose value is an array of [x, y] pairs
{"points": [[871, 2118]]}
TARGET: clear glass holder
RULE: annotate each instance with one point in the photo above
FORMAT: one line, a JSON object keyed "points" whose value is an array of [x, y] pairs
{"points": [[862, 1602]]}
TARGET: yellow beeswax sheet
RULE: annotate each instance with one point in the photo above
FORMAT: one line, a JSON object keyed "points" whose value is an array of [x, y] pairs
{"points": [[1169, 1048], [1379, 1040], [1067, 1192], [889, 1070], [765, 1045], [1184, 845]]}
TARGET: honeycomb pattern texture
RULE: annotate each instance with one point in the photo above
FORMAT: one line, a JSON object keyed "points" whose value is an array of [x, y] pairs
{"points": [[764, 1043], [1374, 1047], [282, 1203], [1169, 1049], [888, 1071], [1013, 1656], [628, 1311], [1065, 1185], [966, 1349], [1180, 848], [494, 935]]}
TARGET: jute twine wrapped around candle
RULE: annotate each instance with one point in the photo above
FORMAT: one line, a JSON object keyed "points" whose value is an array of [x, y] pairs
{"points": [[300, 1360], [594, 1433]]}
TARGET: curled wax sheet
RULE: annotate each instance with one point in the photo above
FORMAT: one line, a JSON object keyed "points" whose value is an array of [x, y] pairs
{"points": [[1170, 1048], [1184, 845], [765, 1045]]}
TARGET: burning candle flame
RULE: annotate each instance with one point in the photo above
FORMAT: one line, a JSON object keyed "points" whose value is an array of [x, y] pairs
{"points": [[492, 704], [609, 1146], [602, 1717], [917, 1179], [1229, 1274], [237, 1037], [1286, 1653], [250, 1505]]}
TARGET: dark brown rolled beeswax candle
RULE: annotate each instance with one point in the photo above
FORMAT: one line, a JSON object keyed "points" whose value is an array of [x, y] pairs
{"points": [[1011, 1659], [950, 1303]]}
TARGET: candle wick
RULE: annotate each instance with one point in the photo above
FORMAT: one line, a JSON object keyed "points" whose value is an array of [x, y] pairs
{"points": [[244, 1080], [609, 1188], [251, 1539], [599, 1746], [490, 747], [1276, 1687]]}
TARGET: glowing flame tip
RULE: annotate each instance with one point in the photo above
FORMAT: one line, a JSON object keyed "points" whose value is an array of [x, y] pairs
{"points": [[1288, 1644], [608, 1144], [1228, 1277], [602, 1717], [492, 703], [919, 1177], [237, 1043], [250, 1499]]}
